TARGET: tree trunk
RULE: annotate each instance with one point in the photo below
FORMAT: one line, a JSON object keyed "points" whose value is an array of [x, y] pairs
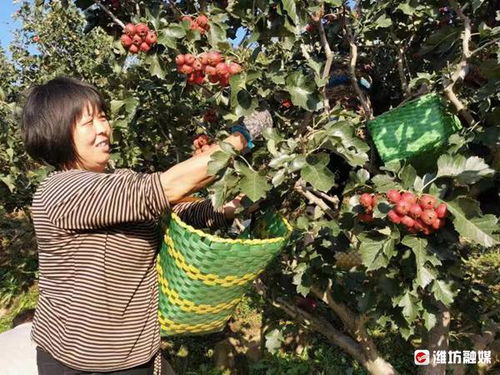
{"points": [[437, 339]]}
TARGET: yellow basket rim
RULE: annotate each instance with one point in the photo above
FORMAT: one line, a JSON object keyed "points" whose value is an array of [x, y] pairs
{"points": [[230, 240]]}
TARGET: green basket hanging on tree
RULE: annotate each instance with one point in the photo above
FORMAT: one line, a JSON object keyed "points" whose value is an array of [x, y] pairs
{"points": [[203, 277], [418, 126]]}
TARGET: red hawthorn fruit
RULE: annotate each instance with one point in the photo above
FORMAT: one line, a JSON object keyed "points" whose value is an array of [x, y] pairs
{"points": [[365, 217], [412, 230], [203, 57], [407, 221], [428, 216], [309, 28], [130, 29], [393, 196], [427, 201], [222, 69], [286, 103], [36, 39], [394, 217], [199, 78], [234, 68], [145, 47], [437, 223], [126, 40], [202, 20], [191, 78], [224, 81], [419, 225], [137, 40], [415, 211], [210, 70], [133, 49], [215, 58], [186, 69], [189, 59], [366, 200], [151, 38], [409, 197], [402, 207], [180, 60], [441, 210], [142, 29], [213, 78], [427, 230], [197, 65]]}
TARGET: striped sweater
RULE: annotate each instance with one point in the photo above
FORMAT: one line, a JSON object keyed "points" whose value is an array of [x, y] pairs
{"points": [[97, 237]]}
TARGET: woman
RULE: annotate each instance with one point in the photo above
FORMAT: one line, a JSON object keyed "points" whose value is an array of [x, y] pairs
{"points": [[97, 235]]}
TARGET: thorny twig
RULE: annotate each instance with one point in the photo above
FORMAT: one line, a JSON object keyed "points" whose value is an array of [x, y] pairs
{"points": [[111, 15]]}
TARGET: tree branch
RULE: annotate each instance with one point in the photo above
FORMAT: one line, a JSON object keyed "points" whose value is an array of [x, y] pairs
{"points": [[334, 199], [485, 45], [328, 63], [462, 67], [315, 322], [300, 188], [352, 68], [111, 15]]}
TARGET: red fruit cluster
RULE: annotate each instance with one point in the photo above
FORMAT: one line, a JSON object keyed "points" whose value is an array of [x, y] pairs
{"points": [[417, 214], [210, 116], [138, 38], [199, 23], [368, 201], [209, 64]]}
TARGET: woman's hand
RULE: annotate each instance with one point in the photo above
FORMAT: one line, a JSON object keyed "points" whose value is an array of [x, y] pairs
{"points": [[203, 143]]}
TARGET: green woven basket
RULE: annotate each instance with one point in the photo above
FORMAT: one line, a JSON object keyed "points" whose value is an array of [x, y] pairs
{"points": [[418, 126], [203, 277]]}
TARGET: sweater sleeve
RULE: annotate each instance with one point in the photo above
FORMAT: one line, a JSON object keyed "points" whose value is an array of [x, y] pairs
{"points": [[82, 200], [201, 214]]}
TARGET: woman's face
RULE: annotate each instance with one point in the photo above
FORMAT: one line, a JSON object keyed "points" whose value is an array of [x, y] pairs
{"points": [[91, 136]]}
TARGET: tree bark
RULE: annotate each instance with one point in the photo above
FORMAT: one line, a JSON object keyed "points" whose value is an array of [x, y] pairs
{"points": [[438, 339]]}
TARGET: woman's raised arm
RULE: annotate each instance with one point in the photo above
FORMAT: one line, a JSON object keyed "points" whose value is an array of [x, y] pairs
{"points": [[191, 175]]}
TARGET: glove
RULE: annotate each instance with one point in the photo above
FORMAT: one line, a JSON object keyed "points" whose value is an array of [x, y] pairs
{"points": [[253, 125]]}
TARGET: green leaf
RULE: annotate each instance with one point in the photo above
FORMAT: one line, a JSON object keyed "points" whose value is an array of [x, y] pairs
{"points": [[346, 144], [168, 36], [317, 173], [406, 9], [407, 176], [383, 21], [419, 247], [303, 91], [291, 10], [471, 226], [279, 177], [383, 183], [253, 184], [372, 251], [218, 161], [430, 320], [466, 171], [155, 68], [442, 292], [410, 307]]}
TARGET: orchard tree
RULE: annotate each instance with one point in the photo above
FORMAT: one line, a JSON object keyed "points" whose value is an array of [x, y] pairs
{"points": [[390, 246]]}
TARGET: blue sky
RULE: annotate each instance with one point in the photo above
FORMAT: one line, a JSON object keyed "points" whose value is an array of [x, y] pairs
{"points": [[6, 22]]}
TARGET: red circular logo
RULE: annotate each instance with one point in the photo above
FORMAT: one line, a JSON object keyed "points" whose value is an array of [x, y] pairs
{"points": [[421, 357]]}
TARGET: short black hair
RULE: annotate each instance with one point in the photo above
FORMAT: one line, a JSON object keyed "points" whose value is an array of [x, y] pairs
{"points": [[24, 316], [49, 116]]}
